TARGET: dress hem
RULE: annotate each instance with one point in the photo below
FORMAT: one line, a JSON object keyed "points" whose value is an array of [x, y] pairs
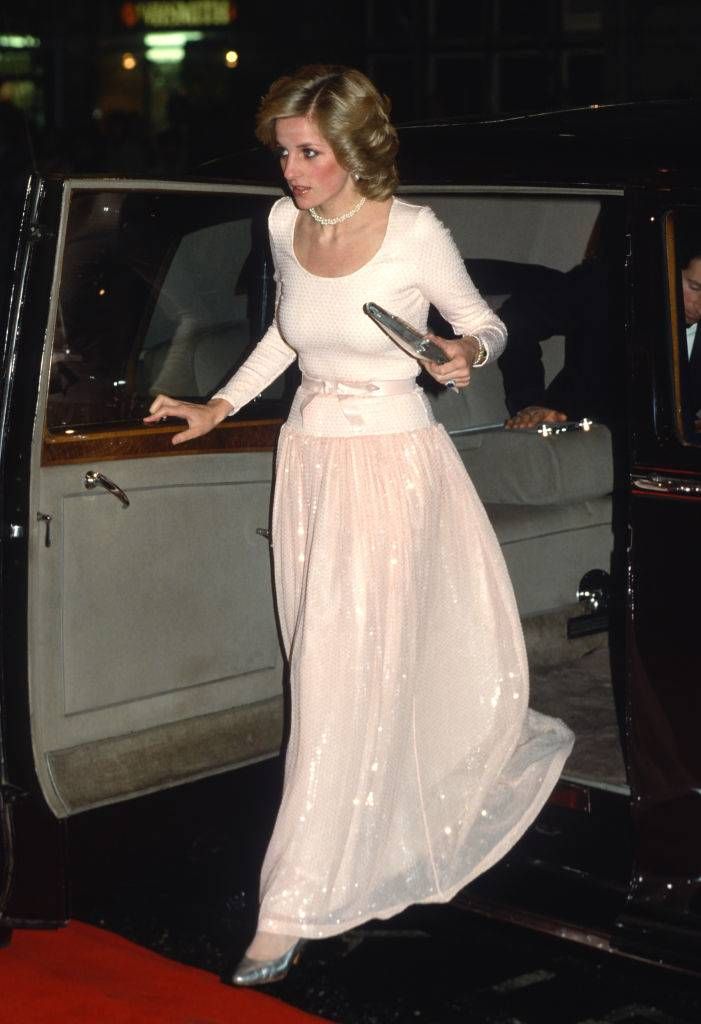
{"points": [[498, 851]]}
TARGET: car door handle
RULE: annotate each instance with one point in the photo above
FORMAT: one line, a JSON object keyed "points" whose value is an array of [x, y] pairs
{"points": [[93, 477], [655, 484]]}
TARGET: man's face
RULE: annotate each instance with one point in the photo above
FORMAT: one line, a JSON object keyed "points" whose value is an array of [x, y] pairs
{"points": [[691, 286]]}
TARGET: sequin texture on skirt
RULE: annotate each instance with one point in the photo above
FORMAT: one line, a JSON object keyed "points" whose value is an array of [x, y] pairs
{"points": [[413, 761]]}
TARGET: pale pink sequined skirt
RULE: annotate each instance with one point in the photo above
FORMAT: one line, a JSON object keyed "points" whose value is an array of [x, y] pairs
{"points": [[413, 761]]}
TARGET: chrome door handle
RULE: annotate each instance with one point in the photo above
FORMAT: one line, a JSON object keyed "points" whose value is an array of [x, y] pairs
{"points": [[93, 478], [656, 484]]}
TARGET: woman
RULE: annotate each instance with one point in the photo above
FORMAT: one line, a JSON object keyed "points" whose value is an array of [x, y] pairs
{"points": [[413, 763]]}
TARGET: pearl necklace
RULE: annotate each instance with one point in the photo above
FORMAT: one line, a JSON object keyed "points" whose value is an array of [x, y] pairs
{"points": [[326, 221]]}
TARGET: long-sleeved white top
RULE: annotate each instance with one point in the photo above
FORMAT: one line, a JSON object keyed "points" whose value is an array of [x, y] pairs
{"points": [[320, 320]]}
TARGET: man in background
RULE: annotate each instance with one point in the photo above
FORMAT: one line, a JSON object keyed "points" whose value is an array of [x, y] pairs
{"points": [[584, 305], [688, 232]]}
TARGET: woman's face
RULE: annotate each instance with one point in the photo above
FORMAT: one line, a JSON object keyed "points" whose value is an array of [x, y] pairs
{"points": [[310, 167]]}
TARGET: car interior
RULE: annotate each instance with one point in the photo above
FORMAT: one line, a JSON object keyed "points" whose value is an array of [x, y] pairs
{"points": [[154, 656], [547, 494]]}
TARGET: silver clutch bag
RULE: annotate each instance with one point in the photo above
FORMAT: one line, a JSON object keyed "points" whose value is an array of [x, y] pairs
{"points": [[413, 342]]}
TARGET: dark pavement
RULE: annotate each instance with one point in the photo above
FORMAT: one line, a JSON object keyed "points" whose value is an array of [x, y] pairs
{"points": [[178, 873]]}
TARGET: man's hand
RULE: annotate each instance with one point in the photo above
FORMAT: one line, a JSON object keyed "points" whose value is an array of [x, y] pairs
{"points": [[533, 416]]}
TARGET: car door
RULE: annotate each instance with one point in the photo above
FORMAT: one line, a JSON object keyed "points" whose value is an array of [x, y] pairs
{"points": [[662, 916], [140, 647]]}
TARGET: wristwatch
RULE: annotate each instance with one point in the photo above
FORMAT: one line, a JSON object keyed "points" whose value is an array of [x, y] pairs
{"points": [[482, 353]]}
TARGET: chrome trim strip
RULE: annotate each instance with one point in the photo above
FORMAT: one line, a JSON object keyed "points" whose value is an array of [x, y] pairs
{"points": [[654, 483], [594, 938], [526, 190], [610, 787], [154, 185], [544, 430]]}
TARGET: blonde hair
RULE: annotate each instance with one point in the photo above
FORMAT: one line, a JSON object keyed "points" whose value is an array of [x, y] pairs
{"points": [[349, 112]]}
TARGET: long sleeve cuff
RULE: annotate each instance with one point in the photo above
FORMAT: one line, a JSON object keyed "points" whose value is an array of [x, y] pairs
{"points": [[493, 338]]}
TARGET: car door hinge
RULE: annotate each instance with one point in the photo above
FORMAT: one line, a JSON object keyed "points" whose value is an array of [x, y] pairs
{"points": [[10, 794]]}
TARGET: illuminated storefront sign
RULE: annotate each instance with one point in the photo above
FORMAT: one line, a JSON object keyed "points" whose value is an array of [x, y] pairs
{"points": [[16, 54], [177, 13], [19, 42]]}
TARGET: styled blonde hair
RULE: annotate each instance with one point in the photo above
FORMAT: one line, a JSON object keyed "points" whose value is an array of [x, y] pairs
{"points": [[351, 115]]}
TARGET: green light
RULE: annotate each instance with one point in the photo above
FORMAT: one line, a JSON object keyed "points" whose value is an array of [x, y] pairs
{"points": [[19, 42], [169, 39], [165, 54]]}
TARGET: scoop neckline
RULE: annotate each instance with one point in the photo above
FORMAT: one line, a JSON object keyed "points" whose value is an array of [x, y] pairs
{"points": [[340, 277]]}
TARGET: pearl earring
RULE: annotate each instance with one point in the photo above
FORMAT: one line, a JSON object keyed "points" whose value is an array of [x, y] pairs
{"points": [[356, 175]]}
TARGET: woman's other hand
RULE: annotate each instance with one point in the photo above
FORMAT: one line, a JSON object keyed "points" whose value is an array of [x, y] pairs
{"points": [[200, 418], [462, 353]]}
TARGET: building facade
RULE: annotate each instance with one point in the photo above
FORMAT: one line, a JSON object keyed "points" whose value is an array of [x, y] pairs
{"points": [[163, 84]]}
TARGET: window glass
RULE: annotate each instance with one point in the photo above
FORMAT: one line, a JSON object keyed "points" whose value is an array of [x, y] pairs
{"points": [[581, 17], [585, 78], [459, 85], [390, 19], [526, 82], [684, 265], [160, 292], [453, 21], [517, 20], [395, 75]]}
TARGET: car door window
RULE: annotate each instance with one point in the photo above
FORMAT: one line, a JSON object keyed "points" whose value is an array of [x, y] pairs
{"points": [[159, 292], [683, 252]]}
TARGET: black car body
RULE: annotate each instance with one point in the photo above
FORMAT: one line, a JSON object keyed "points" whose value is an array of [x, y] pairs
{"points": [[120, 673]]}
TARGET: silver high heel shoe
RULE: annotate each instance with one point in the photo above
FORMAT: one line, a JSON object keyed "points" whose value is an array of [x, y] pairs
{"points": [[263, 972]]}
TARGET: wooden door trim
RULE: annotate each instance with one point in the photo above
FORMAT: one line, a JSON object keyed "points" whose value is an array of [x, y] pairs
{"points": [[146, 442]]}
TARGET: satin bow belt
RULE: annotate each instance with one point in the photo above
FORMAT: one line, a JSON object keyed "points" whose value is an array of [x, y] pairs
{"points": [[347, 393]]}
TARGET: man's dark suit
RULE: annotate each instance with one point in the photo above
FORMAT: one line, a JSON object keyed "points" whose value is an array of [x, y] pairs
{"points": [[575, 304], [692, 390], [543, 302]]}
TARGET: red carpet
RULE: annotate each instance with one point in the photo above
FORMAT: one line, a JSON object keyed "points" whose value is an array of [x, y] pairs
{"points": [[84, 975]]}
